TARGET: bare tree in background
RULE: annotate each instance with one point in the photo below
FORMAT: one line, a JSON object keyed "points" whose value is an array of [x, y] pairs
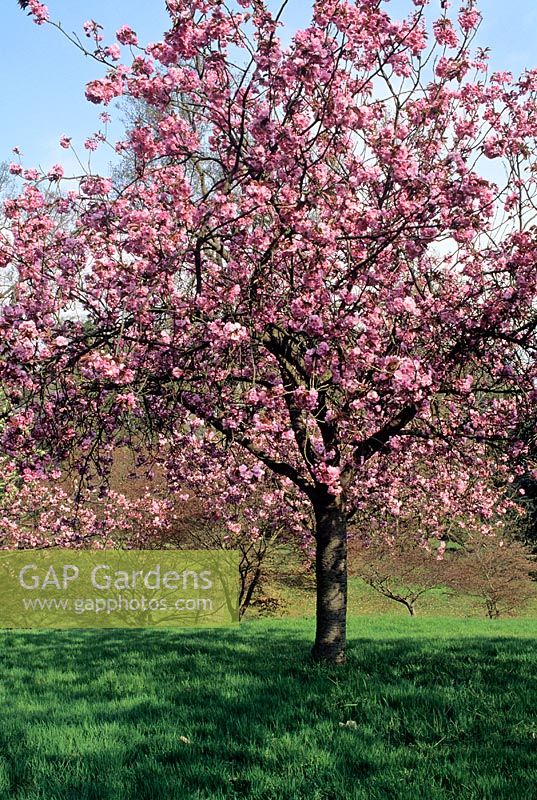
{"points": [[498, 572], [399, 569]]}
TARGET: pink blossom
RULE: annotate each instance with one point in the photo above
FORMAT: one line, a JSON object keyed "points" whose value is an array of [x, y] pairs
{"points": [[409, 305], [94, 185], [445, 33], [440, 550], [65, 142], [306, 398], [104, 90], [28, 329], [127, 400], [493, 146], [469, 18], [125, 35], [113, 51], [91, 143], [465, 384], [39, 11], [91, 29], [235, 332], [55, 173]]}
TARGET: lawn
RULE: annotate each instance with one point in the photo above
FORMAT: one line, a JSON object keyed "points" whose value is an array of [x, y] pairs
{"points": [[427, 708]]}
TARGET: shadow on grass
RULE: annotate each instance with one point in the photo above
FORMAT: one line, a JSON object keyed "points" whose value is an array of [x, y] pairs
{"points": [[147, 714]]}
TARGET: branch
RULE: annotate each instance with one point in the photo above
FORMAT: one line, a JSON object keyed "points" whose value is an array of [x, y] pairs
{"points": [[278, 467], [378, 441]]}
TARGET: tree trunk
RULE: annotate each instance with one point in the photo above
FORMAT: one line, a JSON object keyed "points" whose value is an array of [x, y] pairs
{"points": [[331, 573], [492, 609], [245, 595], [411, 609]]}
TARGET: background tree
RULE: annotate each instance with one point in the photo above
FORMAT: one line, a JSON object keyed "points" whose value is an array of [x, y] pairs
{"points": [[252, 547], [497, 571], [349, 290], [399, 569]]}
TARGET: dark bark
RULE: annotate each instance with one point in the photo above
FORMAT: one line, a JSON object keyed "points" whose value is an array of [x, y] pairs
{"points": [[247, 591], [411, 609], [492, 609], [331, 572]]}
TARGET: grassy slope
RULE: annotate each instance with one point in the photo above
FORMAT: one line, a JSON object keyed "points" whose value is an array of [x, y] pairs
{"points": [[293, 589], [296, 598], [444, 708]]}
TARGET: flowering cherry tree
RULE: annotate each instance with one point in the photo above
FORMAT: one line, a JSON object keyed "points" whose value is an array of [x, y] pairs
{"points": [[39, 513], [322, 270]]}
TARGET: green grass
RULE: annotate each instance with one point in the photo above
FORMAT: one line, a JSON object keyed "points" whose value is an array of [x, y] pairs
{"points": [[444, 708]]}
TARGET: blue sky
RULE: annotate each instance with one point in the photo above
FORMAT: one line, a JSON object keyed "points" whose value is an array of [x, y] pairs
{"points": [[43, 75]]}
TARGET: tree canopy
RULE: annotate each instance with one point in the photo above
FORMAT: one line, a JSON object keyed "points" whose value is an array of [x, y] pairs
{"points": [[320, 278]]}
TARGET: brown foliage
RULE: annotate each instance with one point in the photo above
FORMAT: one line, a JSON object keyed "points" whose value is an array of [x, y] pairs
{"points": [[497, 571], [399, 569]]}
